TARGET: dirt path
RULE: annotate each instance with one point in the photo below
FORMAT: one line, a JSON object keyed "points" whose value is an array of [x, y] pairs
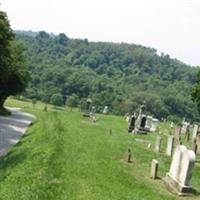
{"points": [[12, 128]]}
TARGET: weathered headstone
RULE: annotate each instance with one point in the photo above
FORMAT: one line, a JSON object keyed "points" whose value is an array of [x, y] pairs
{"points": [[87, 108], [132, 124], [177, 135], [170, 144], [185, 126], [158, 143], [180, 174], [143, 122], [105, 110], [194, 146], [148, 122], [198, 143], [140, 125], [154, 169], [187, 134], [177, 132], [154, 125], [194, 132]]}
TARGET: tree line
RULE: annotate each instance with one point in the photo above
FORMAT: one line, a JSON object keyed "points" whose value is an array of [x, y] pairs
{"points": [[118, 75]]}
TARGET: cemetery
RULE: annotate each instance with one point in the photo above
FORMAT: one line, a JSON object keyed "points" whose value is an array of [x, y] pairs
{"points": [[109, 119], [103, 151]]}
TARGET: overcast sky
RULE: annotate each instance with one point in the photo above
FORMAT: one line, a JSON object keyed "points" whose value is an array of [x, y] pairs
{"points": [[170, 26]]}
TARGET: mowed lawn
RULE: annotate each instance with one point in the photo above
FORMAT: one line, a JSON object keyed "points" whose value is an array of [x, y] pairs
{"points": [[63, 156]]}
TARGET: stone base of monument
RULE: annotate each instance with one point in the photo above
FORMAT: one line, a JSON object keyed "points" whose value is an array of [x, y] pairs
{"points": [[140, 131], [174, 186], [86, 114]]}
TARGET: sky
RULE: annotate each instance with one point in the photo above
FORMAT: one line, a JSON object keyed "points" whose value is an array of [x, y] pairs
{"points": [[170, 26]]}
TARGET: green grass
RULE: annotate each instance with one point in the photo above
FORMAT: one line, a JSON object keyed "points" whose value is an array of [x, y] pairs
{"points": [[64, 156]]}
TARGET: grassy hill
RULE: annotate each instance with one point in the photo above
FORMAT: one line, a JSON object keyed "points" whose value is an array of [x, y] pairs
{"points": [[65, 156]]}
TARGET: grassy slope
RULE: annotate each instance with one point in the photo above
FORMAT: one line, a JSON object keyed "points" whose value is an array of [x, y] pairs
{"points": [[64, 156]]}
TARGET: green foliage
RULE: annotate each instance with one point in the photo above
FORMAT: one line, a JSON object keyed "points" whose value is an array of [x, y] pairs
{"points": [[120, 76], [57, 100], [72, 101], [14, 76], [196, 92]]}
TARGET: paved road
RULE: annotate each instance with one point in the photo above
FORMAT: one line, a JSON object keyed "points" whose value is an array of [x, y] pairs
{"points": [[12, 128]]}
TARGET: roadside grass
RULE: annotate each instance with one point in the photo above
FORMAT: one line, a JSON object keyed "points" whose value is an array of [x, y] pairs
{"points": [[64, 156]]}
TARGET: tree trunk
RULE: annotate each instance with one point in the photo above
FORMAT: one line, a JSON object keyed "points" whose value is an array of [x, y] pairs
{"points": [[2, 100]]}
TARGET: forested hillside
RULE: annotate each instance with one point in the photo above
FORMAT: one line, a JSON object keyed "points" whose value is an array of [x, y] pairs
{"points": [[120, 76]]}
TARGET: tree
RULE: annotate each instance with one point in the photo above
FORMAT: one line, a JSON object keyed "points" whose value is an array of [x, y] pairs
{"points": [[57, 100], [196, 92], [14, 75], [72, 101]]}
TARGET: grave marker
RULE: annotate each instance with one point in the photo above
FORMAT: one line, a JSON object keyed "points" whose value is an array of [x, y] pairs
{"points": [[154, 169], [170, 144], [180, 174], [158, 143]]}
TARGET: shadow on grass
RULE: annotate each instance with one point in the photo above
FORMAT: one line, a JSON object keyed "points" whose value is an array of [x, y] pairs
{"points": [[11, 160]]}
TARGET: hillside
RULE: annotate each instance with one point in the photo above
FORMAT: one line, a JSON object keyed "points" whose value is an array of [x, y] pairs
{"points": [[120, 76], [65, 156]]}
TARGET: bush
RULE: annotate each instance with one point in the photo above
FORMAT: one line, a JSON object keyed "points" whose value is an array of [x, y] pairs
{"points": [[56, 100]]}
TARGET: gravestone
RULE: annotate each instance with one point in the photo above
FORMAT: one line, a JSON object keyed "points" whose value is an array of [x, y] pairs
{"points": [[177, 132], [184, 128], [187, 134], [194, 132], [180, 174], [198, 143], [177, 135], [105, 110], [154, 169], [143, 122], [87, 108], [158, 143], [194, 146], [170, 144], [140, 125], [132, 124], [153, 125], [148, 123]]}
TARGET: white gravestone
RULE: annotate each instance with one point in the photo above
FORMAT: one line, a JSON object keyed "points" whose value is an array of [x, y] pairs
{"points": [[177, 132], [170, 144], [184, 128], [158, 143], [180, 174], [148, 122], [187, 166], [153, 125], [194, 132], [105, 110]]}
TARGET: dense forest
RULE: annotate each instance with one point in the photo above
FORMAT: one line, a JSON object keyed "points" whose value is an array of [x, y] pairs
{"points": [[119, 75]]}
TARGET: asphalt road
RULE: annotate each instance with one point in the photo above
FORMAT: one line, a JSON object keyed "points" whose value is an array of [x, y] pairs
{"points": [[12, 128]]}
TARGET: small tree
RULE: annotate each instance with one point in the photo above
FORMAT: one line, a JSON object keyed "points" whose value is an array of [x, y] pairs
{"points": [[57, 100], [72, 101]]}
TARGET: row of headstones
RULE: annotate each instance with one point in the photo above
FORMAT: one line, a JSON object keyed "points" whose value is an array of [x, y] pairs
{"points": [[195, 136], [179, 176], [170, 144]]}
